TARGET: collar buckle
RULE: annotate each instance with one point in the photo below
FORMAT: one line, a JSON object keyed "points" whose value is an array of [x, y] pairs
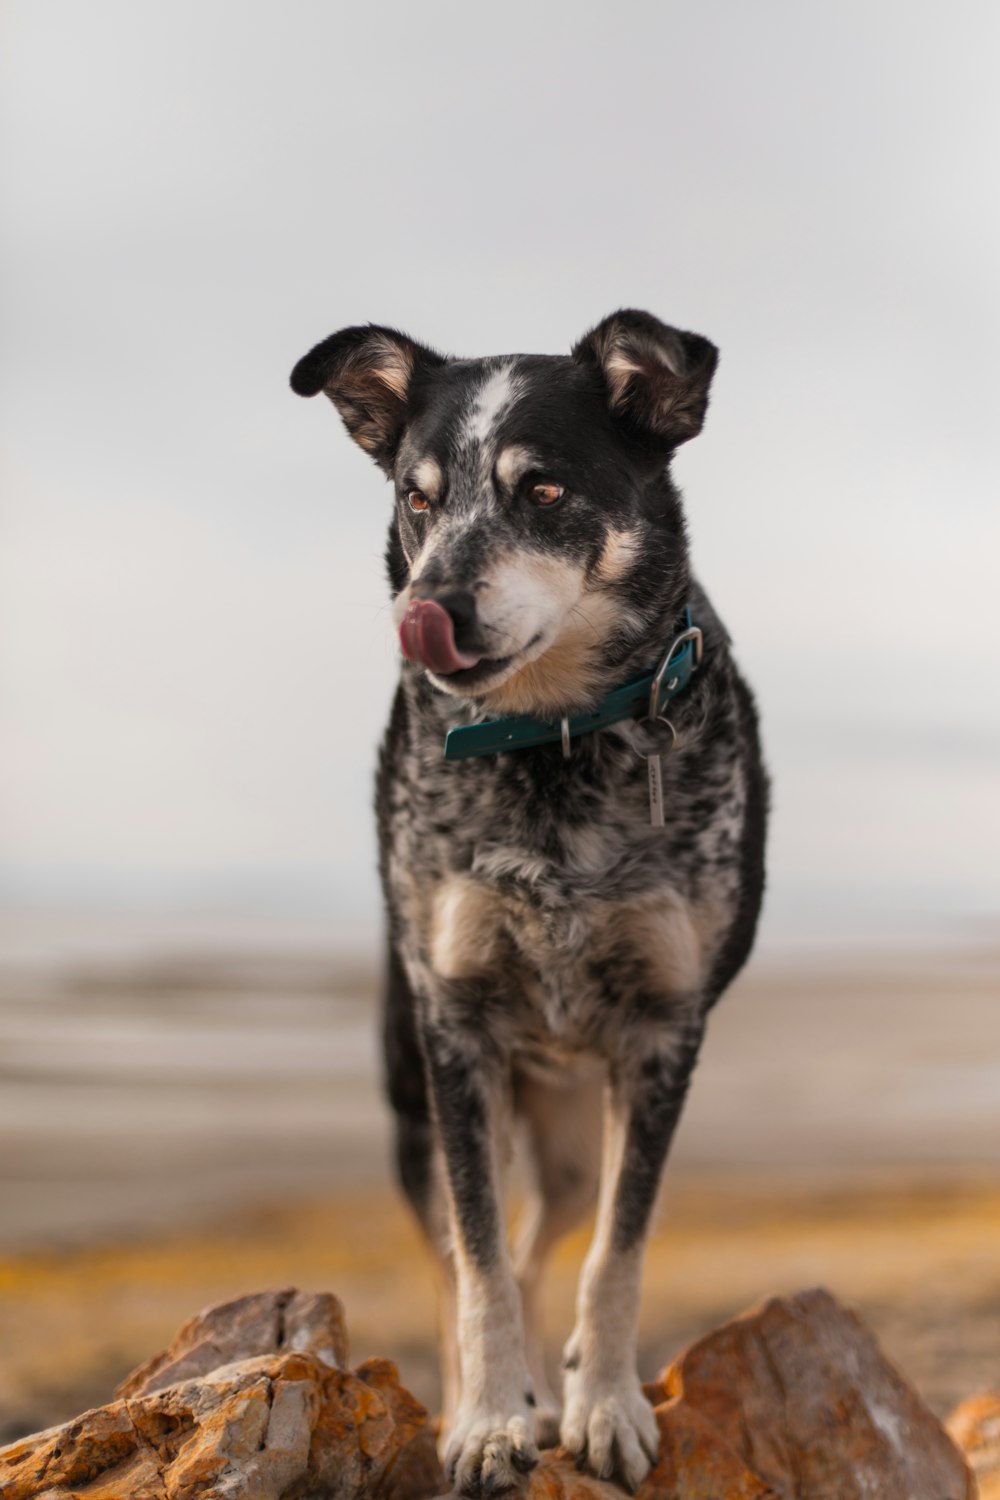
{"points": [[665, 683]]}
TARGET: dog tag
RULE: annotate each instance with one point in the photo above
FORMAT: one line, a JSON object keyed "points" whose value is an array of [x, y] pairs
{"points": [[654, 764]]}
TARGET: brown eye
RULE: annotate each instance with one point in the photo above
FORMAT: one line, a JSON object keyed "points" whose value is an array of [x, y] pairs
{"points": [[546, 494], [417, 500]]}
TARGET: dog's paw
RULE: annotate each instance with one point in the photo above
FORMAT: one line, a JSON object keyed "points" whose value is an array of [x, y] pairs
{"points": [[610, 1427], [489, 1451]]}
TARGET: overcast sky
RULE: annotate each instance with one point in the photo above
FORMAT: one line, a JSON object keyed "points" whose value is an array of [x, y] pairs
{"points": [[196, 653]]}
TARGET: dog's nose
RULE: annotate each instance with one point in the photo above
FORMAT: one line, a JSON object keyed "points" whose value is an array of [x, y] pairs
{"points": [[462, 608], [460, 605], [427, 634]]}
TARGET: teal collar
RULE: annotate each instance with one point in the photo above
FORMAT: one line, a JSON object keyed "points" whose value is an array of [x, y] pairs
{"points": [[642, 697]]}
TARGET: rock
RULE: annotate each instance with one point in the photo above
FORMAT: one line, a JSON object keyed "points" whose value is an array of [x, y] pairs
{"points": [[284, 1424], [791, 1401], [975, 1427], [263, 1323], [800, 1391]]}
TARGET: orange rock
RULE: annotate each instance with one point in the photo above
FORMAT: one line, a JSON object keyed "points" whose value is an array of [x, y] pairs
{"points": [[281, 1425], [975, 1427], [695, 1464], [800, 1390], [263, 1323], [695, 1461]]}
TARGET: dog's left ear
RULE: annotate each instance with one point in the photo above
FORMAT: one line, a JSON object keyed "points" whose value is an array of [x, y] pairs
{"points": [[369, 373], [657, 378]]}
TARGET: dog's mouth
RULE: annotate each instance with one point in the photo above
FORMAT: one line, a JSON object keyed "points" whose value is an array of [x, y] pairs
{"points": [[427, 636], [468, 678]]}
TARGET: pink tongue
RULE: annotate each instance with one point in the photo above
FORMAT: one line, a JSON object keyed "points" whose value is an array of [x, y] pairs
{"points": [[427, 635]]}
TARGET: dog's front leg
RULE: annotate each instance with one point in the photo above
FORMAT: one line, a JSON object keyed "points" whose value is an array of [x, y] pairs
{"points": [[606, 1417], [492, 1442]]}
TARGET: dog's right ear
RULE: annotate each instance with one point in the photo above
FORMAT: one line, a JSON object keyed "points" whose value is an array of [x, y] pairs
{"points": [[369, 374], [656, 377]]}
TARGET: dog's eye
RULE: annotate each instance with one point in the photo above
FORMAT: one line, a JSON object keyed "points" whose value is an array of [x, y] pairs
{"points": [[546, 494], [417, 500]]}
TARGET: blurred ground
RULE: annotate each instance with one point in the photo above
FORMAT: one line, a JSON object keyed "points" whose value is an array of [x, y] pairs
{"points": [[176, 1131]]}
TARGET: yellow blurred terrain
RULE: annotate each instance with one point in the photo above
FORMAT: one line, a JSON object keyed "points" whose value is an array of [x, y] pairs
{"points": [[920, 1261]]}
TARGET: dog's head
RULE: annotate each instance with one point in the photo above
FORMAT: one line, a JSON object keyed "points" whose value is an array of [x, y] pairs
{"points": [[537, 541]]}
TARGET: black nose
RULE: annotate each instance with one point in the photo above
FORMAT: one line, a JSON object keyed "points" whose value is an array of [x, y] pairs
{"points": [[460, 604]]}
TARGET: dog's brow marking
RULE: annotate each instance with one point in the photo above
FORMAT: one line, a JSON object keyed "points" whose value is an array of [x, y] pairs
{"points": [[617, 555], [428, 477], [512, 462], [498, 391]]}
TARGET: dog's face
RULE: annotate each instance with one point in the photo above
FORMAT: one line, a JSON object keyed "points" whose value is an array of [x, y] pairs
{"points": [[535, 533]]}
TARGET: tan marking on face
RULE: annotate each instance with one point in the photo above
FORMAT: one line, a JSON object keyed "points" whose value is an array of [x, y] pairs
{"points": [[465, 926], [512, 462], [568, 671], [427, 476], [617, 555]]}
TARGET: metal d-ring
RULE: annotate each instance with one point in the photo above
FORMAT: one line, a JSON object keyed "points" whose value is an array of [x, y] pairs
{"points": [[564, 729], [656, 686]]}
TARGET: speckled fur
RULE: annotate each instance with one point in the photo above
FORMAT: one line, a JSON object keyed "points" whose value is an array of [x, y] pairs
{"points": [[542, 935]]}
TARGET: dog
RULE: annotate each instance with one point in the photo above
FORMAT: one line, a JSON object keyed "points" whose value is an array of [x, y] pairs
{"points": [[574, 879]]}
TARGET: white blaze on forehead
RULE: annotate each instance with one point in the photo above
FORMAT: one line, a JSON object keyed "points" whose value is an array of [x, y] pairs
{"points": [[491, 402], [512, 462], [427, 477]]}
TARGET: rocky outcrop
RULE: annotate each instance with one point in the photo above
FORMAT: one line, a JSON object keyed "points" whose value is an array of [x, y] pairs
{"points": [[975, 1427], [799, 1390], [263, 1323], [253, 1399]]}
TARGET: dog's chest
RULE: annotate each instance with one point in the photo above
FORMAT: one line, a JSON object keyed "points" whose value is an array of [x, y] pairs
{"points": [[544, 888], [560, 974]]}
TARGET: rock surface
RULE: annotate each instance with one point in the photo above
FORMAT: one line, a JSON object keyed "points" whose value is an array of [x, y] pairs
{"points": [[975, 1427], [263, 1323], [249, 1401], [791, 1401], [800, 1391]]}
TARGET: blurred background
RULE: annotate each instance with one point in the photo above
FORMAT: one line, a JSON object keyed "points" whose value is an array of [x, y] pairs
{"points": [[196, 655]]}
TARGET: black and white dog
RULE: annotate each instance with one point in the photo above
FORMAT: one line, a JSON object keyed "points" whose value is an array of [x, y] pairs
{"points": [[573, 887]]}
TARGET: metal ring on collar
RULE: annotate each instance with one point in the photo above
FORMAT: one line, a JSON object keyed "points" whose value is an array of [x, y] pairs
{"points": [[656, 686]]}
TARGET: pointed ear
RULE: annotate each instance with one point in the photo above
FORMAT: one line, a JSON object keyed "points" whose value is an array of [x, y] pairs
{"points": [[369, 374], [656, 377]]}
